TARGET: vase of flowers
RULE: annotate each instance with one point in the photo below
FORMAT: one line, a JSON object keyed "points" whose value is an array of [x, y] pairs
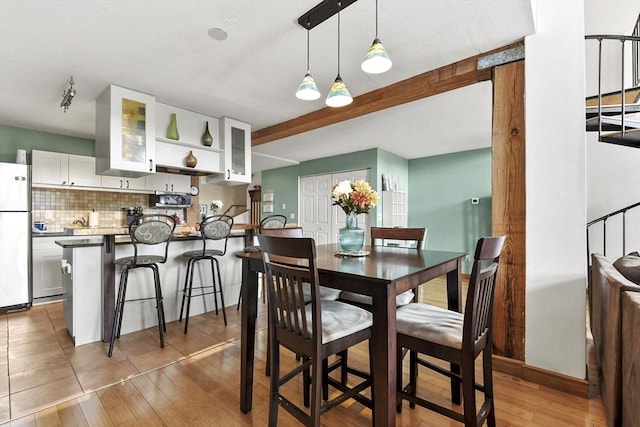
{"points": [[354, 199], [215, 205]]}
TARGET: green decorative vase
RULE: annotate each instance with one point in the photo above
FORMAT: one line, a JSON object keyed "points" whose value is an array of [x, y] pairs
{"points": [[172, 130], [206, 139], [351, 237]]}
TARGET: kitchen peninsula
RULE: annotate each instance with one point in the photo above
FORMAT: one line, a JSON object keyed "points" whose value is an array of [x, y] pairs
{"points": [[91, 279]]}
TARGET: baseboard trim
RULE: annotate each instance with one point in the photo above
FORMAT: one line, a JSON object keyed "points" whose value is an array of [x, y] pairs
{"points": [[554, 380]]}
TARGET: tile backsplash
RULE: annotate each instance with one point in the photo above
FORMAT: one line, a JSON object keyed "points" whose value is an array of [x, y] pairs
{"points": [[60, 207]]}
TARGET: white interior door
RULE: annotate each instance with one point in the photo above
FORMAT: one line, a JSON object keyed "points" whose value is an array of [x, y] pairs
{"points": [[318, 217], [315, 208]]}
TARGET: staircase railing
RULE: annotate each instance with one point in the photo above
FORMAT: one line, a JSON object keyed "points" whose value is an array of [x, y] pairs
{"points": [[635, 40], [603, 220], [234, 210]]}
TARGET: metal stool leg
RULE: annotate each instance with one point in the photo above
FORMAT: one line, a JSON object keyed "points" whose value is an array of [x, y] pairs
{"points": [[224, 313], [189, 292], [159, 304], [117, 317], [184, 290]]}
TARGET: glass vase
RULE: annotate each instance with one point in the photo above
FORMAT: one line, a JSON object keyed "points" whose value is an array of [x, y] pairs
{"points": [[207, 139], [351, 237], [172, 130]]}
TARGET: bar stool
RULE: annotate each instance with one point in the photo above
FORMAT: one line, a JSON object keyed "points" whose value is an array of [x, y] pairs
{"points": [[147, 230], [216, 227]]}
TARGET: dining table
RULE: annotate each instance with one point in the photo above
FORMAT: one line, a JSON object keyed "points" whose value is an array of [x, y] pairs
{"points": [[382, 274]]}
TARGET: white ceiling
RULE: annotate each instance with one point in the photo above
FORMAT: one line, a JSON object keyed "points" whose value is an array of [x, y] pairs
{"points": [[162, 48]]}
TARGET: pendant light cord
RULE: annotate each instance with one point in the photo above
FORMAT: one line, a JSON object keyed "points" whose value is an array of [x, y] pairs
{"points": [[376, 18], [339, 7], [308, 25]]}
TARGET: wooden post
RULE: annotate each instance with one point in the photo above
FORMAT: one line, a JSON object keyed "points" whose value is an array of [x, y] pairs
{"points": [[509, 208]]}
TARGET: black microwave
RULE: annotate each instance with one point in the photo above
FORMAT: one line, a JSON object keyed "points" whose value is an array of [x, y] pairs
{"points": [[170, 200]]}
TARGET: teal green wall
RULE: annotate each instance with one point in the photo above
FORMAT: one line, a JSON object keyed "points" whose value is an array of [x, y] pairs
{"points": [[283, 182], [440, 192], [13, 138]]}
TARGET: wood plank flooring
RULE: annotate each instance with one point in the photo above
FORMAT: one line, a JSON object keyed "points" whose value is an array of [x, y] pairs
{"points": [[194, 380]]}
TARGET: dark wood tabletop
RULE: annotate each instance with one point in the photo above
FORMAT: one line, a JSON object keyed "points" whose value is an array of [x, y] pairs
{"points": [[384, 273]]}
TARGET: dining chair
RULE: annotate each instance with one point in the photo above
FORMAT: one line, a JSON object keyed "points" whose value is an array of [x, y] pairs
{"points": [[381, 234], [313, 330], [148, 230], [456, 338], [275, 221], [326, 293], [215, 228]]}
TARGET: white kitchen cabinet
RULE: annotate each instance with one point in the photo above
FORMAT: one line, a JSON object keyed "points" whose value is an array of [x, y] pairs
{"points": [[82, 292], [168, 182], [394, 209], [46, 276], [123, 183], [62, 169], [235, 139], [82, 171], [125, 133]]}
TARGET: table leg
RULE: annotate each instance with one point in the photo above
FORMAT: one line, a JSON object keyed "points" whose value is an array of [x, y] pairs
{"points": [[249, 314], [454, 302], [383, 349], [108, 285]]}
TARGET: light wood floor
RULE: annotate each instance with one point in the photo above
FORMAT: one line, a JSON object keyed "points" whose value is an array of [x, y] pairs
{"points": [[194, 380]]}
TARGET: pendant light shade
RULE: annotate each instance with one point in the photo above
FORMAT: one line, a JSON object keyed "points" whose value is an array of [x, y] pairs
{"points": [[339, 95], [376, 60], [308, 91]]}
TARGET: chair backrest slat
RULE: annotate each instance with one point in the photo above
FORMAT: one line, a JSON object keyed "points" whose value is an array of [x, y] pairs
{"points": [[391, 233], [480, 294], [283, 232]]}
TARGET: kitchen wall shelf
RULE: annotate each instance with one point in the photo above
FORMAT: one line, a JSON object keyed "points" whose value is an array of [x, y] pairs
{"points": [[189, 144]]}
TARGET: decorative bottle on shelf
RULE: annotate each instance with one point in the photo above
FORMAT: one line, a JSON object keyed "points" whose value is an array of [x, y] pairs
{"points": [[172, 130], [190, 161], [206, 139]]}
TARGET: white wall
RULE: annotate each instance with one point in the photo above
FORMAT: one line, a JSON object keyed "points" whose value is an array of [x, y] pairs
{"points": [[613, 172], [555, 181]]}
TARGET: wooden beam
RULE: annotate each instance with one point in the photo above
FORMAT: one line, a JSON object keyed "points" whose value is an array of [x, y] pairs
{"points": [[443, 79]]}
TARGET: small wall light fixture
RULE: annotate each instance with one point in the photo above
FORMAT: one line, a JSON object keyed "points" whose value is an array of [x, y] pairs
{"points": [[67, 96]]}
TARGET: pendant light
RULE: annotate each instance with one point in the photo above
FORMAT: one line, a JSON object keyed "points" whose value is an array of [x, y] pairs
{"points": [[339, 95], [308, 91], [376, 61]]}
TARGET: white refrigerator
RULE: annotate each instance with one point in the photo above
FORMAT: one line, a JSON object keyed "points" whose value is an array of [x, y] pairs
{"points": [[15, 236]]}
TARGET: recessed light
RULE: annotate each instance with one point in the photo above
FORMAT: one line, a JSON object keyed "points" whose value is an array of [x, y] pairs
{"points": [[217, 34]]}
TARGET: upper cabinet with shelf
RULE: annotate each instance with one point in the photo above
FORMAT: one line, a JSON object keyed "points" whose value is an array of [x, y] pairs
{"points": [[125, 133], [235, 138], [171, 153]]}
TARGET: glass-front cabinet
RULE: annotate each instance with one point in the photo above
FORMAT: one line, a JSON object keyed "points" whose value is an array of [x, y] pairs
{"points": [[235, 137], [125, 133]]}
